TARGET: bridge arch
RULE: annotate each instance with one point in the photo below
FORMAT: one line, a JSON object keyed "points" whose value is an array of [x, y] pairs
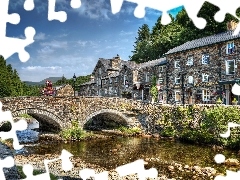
{"points": [[105, 117], [47, 120]]}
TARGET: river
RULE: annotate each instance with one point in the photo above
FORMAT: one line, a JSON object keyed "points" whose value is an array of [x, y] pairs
{"points": [[112, 153]]}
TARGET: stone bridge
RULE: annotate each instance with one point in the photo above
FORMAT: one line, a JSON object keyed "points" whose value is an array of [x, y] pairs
{"points": [[56, 113]]}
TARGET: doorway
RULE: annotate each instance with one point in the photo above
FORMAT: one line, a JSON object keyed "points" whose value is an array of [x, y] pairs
{"points": [[229, 95], [190, 99]]}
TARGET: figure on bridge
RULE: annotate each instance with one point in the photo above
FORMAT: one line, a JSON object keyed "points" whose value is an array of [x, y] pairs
{"points": [[48, 90]]}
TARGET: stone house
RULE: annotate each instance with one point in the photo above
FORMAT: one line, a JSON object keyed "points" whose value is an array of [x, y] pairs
{"points": [[118, 78], [204, 69]]}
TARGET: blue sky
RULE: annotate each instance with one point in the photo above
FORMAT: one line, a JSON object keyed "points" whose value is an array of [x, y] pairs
{"points": [[74, 46]]}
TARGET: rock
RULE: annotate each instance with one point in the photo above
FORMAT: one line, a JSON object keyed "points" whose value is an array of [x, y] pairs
{"points": [[171, 168], [232, 162]]}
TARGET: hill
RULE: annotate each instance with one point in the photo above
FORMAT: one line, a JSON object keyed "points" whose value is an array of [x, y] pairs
{"points": [[42, 82]]}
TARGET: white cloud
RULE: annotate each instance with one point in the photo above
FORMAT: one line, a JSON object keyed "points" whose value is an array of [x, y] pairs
{"points": [[40, 36], [56, 44], [40, 68], [124, 33], [45, 50], [94, 9]]}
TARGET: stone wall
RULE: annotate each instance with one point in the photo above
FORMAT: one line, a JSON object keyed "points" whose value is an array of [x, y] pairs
{"points": [[66, 90], [58, 112]]}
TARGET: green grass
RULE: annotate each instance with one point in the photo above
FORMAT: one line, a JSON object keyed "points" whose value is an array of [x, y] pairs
{"points": [[25, 116], [35, 172], [129, 131]]}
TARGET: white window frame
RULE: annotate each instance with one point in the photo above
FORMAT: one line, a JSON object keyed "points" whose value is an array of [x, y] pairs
{"points": [[203, 77], [160, 69], [203, 58], [190, 61], [206, 95], [176, 80], [179, 96], [109, 90], [227, 67], [190, 79], [229, 46], [175, 64], [147, 79]]}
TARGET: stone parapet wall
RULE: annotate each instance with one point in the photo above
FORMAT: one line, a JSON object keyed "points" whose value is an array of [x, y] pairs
{"points": [[58, 112]]}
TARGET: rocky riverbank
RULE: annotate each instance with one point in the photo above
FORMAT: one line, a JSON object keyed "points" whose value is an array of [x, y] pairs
{"points": [[10, 173], [195, 172]]}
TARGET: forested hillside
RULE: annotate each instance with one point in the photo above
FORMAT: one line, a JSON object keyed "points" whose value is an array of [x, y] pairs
{"points": [[12, 86], [10, 83], [152, 44]]}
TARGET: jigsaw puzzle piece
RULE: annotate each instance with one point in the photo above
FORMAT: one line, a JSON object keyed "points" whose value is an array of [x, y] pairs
{"points": [[87, 173], [16, 126], [29, 5], [53, 15], [28, 171], [7, 48], [5, 17], [137, 167], [192, 8], [75, 4], [8, 162]]}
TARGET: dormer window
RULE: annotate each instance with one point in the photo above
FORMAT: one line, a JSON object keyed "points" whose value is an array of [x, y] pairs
{"points": [[190, 61], [230, 48], [205, 59]]}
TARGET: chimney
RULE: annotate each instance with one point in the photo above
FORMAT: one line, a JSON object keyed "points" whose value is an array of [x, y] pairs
{"points": [[115, 62], [232, 25]]}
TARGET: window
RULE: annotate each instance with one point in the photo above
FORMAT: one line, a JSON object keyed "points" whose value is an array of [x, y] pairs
{"points": [[190, 61], [205, 59], [110, 90], [105, 81], [190, 79], [177, 80], [105, 91], [147, 77], [230, 67], [230, 48], [177, 96], [99, 81], [205, 77], [160, 80], [177, 64], [99, 71], [110, 80], [116, 79], [205, 95], [160, 69]]}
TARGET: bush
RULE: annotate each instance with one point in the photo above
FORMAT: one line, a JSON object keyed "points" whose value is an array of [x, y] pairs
{"points": [[74, 133], [129, 131]]}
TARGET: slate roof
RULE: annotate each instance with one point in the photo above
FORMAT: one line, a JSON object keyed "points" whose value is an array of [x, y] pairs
{"points": [[151, 63], [208, 40]]}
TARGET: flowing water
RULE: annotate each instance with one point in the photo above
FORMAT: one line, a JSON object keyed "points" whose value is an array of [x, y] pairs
{"points": [[111, 153]]}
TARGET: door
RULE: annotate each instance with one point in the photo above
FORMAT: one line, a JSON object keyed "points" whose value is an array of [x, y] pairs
{"points": [[190, 100]]}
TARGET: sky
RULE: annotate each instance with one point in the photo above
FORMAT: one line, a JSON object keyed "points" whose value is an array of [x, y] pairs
{"points": [[74, 46]]}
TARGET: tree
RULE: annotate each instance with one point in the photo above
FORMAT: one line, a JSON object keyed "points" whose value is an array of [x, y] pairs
{"points": [[154, 90], [141, 52], [150, 46]]}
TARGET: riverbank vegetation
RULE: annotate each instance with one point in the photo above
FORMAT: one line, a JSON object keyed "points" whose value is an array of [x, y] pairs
{"points": [[201, 125], [74, 132], [129, 131], [35, 172]]}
